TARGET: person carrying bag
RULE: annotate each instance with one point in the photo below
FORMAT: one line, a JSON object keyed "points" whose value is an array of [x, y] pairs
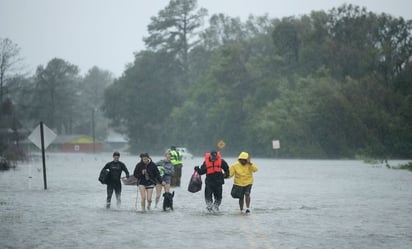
{"points": [[243, 171]]}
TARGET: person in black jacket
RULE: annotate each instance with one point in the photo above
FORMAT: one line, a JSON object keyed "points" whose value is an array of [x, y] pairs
{"points": [[115, 169], [212, 167], [147, 175]]}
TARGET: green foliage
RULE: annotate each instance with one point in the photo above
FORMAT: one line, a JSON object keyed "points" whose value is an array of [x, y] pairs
{"points": [[316, 87], [139, 103], [407, 166], [91, 98], [327, 85], [174, 31], [55, 98]]}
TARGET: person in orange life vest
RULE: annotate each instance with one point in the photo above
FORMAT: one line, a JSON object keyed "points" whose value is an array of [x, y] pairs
{"points": [[243, 171], [216, 169]]}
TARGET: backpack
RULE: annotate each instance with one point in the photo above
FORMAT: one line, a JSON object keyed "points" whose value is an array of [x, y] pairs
{"points": [[104, 176]]}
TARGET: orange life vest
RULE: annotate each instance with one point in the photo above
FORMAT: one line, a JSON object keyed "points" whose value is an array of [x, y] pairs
{"points": [[213, 167]]}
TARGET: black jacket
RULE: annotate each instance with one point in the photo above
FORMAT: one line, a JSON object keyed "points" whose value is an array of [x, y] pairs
{"points": [[115, 169], [152, 176]]}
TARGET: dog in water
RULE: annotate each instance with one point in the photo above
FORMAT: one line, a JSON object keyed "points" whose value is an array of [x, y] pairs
{"points": [[168, 200]]}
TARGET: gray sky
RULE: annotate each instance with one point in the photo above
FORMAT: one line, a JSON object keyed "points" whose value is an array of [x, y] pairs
{"points": [[106, 33]]}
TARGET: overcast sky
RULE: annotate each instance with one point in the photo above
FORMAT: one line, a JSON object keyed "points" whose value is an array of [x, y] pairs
{"points": [[106, 33]]}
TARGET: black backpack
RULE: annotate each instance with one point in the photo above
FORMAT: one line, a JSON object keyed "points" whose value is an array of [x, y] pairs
{"points": [[104, 176]]}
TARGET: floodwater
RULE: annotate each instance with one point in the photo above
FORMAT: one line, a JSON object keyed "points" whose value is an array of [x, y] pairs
{"points": [[295, 204]]}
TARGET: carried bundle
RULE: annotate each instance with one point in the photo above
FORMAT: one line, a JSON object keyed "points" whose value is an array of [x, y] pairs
{"points": [[195, 183]]}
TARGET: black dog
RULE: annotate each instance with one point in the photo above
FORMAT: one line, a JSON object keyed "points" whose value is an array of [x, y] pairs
{"points": [[168, 200]]}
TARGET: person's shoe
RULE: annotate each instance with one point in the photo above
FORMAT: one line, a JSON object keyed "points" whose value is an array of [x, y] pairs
{"points": [[108, 205], [247, 210], [209, 209]]}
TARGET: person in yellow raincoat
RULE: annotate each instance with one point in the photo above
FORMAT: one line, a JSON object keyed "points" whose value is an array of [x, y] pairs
{"points": [[243, 171]]}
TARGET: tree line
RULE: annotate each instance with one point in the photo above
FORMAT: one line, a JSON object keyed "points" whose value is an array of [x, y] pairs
{"points": [[333, 84]]}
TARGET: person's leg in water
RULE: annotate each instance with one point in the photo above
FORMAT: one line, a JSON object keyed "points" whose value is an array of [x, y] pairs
{"points": [[217, 193], [167, 187], [208, 197], [179, 175], [149, 193], [167, 183], [142, 190], [109, 195], [158, 193], [248, 189], [247, 200], [118, 191], [241, 201]]}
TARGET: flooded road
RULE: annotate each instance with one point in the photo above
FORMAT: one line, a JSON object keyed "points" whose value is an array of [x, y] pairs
{"points": [[295, 204]]}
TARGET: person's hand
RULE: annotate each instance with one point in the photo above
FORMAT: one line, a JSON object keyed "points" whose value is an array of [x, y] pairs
{"points": [[163, 183], [196, 168]]}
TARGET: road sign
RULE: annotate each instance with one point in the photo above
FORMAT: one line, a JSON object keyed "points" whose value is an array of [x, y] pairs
{"points": [[221, 144], [275, 144], [49, 136]]}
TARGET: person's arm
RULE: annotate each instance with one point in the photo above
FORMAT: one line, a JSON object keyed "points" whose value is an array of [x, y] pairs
{"points": [[124, 168], [156, 173], [225, 168], [231, 171], [202, 169], [253, 167], [136, 172]]}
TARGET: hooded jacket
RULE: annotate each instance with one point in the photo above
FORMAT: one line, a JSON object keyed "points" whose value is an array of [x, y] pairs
{"points": [[243, 173]]}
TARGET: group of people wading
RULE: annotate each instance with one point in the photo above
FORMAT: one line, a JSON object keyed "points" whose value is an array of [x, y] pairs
{"points": [[168, 172]]}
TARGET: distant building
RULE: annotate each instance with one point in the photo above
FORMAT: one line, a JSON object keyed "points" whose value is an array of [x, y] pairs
{"points": [[76, 143], [116, 141]]}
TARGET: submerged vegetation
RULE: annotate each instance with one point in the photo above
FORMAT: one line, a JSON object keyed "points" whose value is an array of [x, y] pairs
{"points": [[407, 166]]}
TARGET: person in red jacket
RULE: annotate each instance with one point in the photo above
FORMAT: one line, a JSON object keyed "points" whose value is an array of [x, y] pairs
{"points": [[216, 169]]}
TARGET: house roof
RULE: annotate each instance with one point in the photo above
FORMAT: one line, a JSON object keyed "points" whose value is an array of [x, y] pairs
{"points": [[74, 139]]}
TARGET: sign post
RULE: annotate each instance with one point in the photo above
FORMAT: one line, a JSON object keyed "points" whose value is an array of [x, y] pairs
{"points": [[43, 155], [276, 146], [42, 137]]}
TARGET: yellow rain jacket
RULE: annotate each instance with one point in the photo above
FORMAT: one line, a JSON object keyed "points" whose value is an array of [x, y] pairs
{"points": [[243, 173]]}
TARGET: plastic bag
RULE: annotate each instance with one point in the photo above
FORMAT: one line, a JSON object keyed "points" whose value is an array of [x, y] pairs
{"points": [[195, 184]]}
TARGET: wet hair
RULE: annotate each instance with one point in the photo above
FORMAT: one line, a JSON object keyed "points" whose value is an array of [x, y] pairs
{"points": [[116, 153], [144, 154]]}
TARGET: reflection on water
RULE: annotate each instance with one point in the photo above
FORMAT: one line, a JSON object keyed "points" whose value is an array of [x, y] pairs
{"points": [[295, 204]]}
